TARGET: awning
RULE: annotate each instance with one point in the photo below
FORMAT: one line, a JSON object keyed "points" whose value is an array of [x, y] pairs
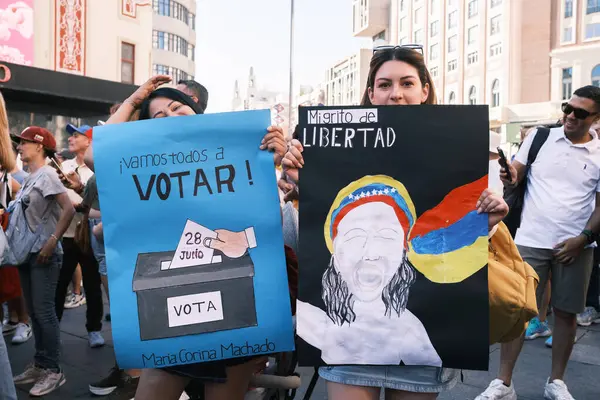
{"points": [[42, 90]]}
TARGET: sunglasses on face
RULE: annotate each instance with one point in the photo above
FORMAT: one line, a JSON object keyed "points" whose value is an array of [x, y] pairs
{"points": [[579, 113], [415, 47]]}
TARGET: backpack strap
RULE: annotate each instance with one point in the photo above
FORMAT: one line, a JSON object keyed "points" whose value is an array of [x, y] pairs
{"points": [[541, 135]]}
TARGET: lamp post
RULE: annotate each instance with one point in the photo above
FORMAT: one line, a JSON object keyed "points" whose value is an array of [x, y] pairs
{"points": [[291, 88]]}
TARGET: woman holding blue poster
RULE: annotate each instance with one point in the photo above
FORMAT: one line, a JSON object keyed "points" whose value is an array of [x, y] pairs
{"points": [[363, 283], [223, 379]]}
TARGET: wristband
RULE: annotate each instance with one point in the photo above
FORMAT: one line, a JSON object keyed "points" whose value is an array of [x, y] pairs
{"points": [[591, 238], [54, 236]]}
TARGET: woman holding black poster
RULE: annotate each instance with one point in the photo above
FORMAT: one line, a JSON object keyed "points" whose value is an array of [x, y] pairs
{"points": [[397, 76]]}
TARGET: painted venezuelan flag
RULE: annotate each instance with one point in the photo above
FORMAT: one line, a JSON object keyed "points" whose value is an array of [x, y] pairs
{"points": [[449, 242]]}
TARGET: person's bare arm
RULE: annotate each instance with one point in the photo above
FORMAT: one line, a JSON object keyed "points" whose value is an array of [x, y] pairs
{"points": [[66, 216], [128, 108]]}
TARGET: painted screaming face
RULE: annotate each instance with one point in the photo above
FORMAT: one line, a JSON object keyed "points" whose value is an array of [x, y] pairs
{"points": [[368, 249]]}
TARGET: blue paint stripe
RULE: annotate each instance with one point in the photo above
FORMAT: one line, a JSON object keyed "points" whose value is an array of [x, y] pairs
{"points": [[460, 234]]}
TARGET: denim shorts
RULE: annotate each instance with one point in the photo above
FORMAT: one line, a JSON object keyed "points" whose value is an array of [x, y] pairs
{"points": [[97, 247], [416, 379]]}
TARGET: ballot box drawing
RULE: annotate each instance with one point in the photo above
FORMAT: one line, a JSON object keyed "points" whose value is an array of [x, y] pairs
{"points": [[194, 300]]}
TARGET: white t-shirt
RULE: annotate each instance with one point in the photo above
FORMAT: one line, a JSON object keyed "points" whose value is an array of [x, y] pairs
{"points": [[561, 189], [84, 173]]}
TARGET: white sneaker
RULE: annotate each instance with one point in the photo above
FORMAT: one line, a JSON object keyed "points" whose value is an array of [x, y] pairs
{"points": [[498, 391], [588, 317], [22, 334], [557, 390], [95, 339], [48, 383], [74, 301]]}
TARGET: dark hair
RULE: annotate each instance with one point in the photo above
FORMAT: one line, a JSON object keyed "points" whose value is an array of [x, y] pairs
{"points": [[199, 91], [339, 301], [172, 94], [409, 56], [589, 92]]}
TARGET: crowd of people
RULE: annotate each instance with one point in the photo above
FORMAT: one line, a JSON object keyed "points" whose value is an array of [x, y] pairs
{"points": [[57, 201]]}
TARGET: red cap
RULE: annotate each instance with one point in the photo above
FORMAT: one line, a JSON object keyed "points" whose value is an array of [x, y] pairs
{"points": [[36, 134], [88, 133]]}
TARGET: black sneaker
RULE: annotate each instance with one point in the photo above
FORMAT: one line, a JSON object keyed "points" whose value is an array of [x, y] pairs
{"points": [[107, 385], [127, 389]]}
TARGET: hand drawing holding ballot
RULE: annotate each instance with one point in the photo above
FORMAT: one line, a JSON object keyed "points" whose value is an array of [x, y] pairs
{"points": [[197, 244]]}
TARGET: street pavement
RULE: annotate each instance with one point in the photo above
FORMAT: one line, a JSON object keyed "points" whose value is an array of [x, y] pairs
{"points": [[83, 365]]}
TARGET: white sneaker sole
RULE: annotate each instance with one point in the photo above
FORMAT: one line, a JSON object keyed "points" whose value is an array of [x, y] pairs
{"points": [[74, 305], [21, 340], [539, 335], [101, 391], [97, 345], [49, 390]]}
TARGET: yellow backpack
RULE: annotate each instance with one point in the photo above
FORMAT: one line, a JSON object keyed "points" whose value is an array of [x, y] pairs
{"points": [[512, 284]]}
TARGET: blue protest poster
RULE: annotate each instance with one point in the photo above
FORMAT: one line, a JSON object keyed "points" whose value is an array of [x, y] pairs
{"points": [[194, 247]]}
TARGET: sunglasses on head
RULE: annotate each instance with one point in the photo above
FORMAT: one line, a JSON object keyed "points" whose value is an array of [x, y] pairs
{"points": [[579, 113], [415, 47]]}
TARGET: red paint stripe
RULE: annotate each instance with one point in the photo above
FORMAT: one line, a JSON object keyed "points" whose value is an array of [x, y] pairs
{"points": [[458, 203]]}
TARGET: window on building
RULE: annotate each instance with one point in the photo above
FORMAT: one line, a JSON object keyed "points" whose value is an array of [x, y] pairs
{"points": [[452, 65], [593, 6], [596, 76], [567, 83], [453, 19], [434, 51], [452, 98], [473, 96], [127, 62], [567, 35], [403, 40], [433, 6], [473, 8], [568, 8], [495, 25], [401, 24], [592, 30], [417, 15], [472, 34], [452, 43], [418, 36], [434, 28], [434, 72], [495, 50], [495, 3], [496, 93], [472, 58], [401, 5], [379, 36], [173, 9]]}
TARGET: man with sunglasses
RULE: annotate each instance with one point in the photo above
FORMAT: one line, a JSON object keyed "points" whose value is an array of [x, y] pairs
{"points": [[559, 224]]}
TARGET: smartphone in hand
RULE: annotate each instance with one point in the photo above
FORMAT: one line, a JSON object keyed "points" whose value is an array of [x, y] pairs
{"points": [[504, 163]]}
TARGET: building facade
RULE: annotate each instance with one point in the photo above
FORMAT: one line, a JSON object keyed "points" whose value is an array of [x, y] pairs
{"points": [[346, 79], [65, 61], [520, 57], [174, 38]]}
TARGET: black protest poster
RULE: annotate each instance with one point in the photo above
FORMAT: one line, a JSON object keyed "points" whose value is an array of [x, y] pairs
{"points": [[393, 255]]}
